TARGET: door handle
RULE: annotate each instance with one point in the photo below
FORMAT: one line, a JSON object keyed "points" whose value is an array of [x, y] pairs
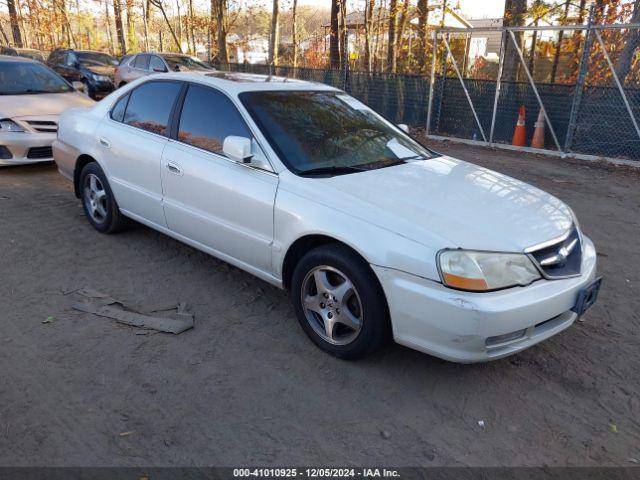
{"points": [[174, 168], [104, 142]]}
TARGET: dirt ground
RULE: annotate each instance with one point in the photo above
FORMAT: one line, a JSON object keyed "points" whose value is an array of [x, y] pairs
{"points": [[246, 387]]}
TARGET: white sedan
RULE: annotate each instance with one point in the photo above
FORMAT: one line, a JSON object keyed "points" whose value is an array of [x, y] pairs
{"points": [[375, 236], [31, 98]]}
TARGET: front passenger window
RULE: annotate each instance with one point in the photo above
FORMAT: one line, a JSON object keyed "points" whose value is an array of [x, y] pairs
{"points": [[150, 106], [207, 118]]}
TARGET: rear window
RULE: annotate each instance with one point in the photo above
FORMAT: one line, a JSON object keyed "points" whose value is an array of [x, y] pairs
{"points": [[150, 106]]}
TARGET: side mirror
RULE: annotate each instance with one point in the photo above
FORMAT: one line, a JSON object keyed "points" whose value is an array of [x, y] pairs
{"points": [[79, 86], [160, 69], [237, 149], [404, 127]]}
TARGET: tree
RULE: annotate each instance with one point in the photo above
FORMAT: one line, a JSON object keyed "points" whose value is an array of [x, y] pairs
{"points": [[13, 19], [222, 30], [131, 28], [160, 6], [368, 24], [294, 32], [514, 14], [391, 49], [274, 34], [423, 19], [117, 14], [631, 43], [334, 46]]}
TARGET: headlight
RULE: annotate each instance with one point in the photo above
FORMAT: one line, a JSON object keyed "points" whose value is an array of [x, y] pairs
{"points": [[101, 78], [482, 271], [7, 125]]}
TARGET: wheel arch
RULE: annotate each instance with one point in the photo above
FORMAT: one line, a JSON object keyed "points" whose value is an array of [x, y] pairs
{"points": [[82, 160], [305, 244]]}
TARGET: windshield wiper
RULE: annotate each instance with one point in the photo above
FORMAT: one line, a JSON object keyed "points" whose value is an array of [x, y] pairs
{"points": [[332, 170]]}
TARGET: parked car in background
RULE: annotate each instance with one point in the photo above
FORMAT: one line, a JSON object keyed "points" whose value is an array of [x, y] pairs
{"points": [[31, 98], [307, 188], [94, 69], [32, 53], [5, 50], [144, 64]]}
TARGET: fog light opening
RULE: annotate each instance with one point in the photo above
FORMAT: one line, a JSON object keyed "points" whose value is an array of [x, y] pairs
{"points": [[501, 340]]}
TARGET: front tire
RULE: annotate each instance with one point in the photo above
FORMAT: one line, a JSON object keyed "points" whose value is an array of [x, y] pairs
{"points": [[339, 302], [98, 201]]}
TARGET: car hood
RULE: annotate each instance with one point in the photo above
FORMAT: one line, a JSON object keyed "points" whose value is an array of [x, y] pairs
{"points": [[16, 106], [444, 202], [101, 70]]}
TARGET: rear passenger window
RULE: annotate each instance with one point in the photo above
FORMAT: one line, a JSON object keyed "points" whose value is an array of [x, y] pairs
{"points": [[150, 106], [207, 118], [117, 112], [142, 62]]}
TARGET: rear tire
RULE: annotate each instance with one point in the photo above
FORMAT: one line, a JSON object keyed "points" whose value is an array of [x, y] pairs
{"points": [[339, 302], [98, 201]]}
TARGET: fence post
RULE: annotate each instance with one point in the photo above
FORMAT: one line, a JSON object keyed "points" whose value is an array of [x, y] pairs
{"points": [[582, 75], [434, 40], [503, 44]]}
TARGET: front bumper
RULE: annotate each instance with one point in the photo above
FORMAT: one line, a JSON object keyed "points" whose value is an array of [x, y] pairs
{"points": [[475, 327], [102, 89], [27, 147]]}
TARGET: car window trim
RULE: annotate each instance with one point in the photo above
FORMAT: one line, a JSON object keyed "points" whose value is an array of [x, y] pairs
{"points": [[159, 80], [175, 125]]}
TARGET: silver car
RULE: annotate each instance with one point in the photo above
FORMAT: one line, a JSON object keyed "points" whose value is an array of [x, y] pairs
{"points": [[143, 64], [32, 96]]}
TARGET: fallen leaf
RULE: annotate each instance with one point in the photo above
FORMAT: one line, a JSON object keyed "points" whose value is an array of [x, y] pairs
{"points": [[126, 434], [49, 319]]}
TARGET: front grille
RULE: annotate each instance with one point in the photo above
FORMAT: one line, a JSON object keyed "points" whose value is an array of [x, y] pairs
{"points": [[559, 259], [40, 152], [43, 125]]}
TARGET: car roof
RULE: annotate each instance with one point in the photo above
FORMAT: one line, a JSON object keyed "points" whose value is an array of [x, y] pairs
{"points": [[235, 82], [11, 58]]}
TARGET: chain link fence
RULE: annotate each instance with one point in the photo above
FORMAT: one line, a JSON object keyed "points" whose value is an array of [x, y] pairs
{"points": [[589, 108]]}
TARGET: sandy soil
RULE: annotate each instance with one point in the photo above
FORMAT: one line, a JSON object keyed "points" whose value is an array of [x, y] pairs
{"points": [[247, 387]]}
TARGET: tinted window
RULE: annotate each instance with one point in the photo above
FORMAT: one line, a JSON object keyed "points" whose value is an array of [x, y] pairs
{"points": [[207, 118], [117, 113], [157, 65], [324, 130], [70, 60], [30, 78], [141, 61], [150, 106]]}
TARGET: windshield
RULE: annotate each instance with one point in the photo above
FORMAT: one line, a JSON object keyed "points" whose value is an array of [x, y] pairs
{"points": [[329, 132], [21, 78], [183, 62], [96, 58]]}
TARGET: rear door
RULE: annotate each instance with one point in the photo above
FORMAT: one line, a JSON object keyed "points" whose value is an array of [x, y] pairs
{"points": [[131, 139], [209, 198]]}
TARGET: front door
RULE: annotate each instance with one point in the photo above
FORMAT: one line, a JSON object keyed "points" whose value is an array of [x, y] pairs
{"points": [[131, 140], [209, 198]]}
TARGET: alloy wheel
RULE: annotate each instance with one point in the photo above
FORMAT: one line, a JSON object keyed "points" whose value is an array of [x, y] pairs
{"points": [[95, 198], [331, 305]]}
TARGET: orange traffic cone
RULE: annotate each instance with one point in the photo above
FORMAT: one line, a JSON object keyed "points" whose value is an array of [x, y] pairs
{"points": [[538, 134], [520, 134]]}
